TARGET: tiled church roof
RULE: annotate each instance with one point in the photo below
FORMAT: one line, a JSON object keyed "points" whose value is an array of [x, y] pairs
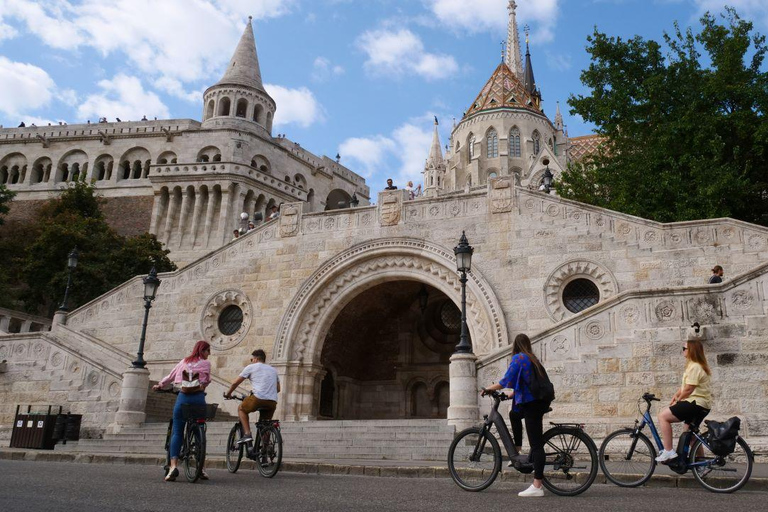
{"points": [[503, 90], [586, 145]]}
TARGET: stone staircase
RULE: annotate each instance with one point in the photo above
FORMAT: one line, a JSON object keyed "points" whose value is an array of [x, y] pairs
{"points": [[418, 440]]}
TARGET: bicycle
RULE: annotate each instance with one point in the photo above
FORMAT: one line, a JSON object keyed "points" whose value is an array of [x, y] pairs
{"points": [[266, 449], [192, 454], [628, 458], [474, 458]]}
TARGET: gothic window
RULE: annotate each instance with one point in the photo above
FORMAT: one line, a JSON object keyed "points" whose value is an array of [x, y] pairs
{"points": [[224, 104], [514, 142], [471, 147], [258, 114], [242, 108], [536, 142], [492, 140]]}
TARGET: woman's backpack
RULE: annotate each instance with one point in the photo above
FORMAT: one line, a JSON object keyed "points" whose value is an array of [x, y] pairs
{"points": [[541, 387], [190, 381], [721, 436]]}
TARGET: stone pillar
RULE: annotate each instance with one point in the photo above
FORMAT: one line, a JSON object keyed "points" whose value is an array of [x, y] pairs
{"points": [[196, 216], [173, 205], [5, 322], [208, 226], [225, 214], [154, 222], [59, 318], [186, 197], [133, 400], [25, 325], [463, 411]]}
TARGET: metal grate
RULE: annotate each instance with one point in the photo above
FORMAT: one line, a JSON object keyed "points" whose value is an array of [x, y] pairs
{"points": [[580, 294], [450, 317], [230, 320]]}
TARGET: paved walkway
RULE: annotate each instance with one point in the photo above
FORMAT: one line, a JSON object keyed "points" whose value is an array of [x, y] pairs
{"points": [[663, 477]]}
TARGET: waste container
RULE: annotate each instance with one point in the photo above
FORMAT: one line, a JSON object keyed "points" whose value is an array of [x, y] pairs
{"points": [[34, 428], [72, 430]]}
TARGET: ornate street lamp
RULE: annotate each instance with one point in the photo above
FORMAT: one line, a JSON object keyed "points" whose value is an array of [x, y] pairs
{"points": [[463, 253], [546, 181], [243, 223], [71, 264], [354, 201], [151, 284]]}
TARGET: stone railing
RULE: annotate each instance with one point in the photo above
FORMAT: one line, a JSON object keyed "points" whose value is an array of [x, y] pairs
{"points": [[13, 322]]}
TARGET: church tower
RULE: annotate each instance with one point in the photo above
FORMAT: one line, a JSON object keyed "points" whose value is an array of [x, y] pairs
{"points": [[239, 97], [434, 169]]}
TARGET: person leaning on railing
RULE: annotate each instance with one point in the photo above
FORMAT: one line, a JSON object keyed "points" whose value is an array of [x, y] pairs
{"points": [[192, 375]]}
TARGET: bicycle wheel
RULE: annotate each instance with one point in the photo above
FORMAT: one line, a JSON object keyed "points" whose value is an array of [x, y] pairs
{"points": [[571, 461], [474, 459], [270, 450], [627, 460], [722, 474], [195, 459], [168, 448], [234, 452]]}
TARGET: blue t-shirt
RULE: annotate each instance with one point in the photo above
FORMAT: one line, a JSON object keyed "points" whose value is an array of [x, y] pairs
{"points": [[518, 377]]}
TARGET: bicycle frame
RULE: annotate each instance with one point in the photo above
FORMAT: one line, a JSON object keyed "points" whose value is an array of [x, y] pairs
{"points": [[494, 418]]}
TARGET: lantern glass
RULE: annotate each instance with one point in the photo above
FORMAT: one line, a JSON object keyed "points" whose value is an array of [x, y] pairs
{"points": [[72, 258]]}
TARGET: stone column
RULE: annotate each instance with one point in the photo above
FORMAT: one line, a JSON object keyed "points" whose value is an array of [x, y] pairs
{"points": [[225, 213], [185, 199], [59, 318], [463, 411], [133, 400], [5, 322], [208, 226], [25, 325], [173, 205], [154, 222], [196, 216]]}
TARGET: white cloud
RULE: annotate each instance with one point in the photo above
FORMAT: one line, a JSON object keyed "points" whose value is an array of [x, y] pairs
{"points": [[7, 31], [23, 87], [323, 70], [402, 52], [176, 88], [295, 106], [755, 10], [400, 155], [558, 61], [492, 16], [123, 97]]}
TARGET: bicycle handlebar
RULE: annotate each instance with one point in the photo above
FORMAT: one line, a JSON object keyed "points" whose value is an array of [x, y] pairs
{"points": [[650, 397], [234, 397], [168, 390], [495, 394]]}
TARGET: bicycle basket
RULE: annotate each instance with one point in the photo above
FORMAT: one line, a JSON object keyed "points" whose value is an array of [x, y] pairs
{"points": [[721, 436], [195, 411]]}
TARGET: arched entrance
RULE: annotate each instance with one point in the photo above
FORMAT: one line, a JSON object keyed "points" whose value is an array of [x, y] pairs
{"points": [[311, 317], [387, 353]]}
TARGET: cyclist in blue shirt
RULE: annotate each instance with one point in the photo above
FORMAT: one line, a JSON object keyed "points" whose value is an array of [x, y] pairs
{"points": [[518, 380]]}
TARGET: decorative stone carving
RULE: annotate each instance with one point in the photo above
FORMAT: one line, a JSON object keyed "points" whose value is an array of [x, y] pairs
{"points": [[553, 210], [624, 229], [728, 233], [630, 314], [703, 309], [742, 300], [390, 207], [530, 204], [756, 242], [651, 237], [553, 287], [594, 330], [209, 322], [702, 236], [501, 195], [666, 311]]}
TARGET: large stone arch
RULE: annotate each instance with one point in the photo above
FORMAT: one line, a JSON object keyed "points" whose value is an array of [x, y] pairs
{"points": [[365, 265], [305, 324]]}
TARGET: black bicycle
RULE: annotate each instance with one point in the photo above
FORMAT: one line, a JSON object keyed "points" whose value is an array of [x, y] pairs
{"points": [[266, 448], [192, 454], [628, 458], [474, 458]]}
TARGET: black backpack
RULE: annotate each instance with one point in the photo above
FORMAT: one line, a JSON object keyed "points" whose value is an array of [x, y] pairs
{"points": [[721, 436], [541, 387]]}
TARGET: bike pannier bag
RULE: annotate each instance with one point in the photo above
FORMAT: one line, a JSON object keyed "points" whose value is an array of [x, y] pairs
{"points": [[721, 436]]}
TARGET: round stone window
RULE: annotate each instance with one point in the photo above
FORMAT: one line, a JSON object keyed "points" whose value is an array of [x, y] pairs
{"points": [[580, 294], [230, 320], [450, 317]]}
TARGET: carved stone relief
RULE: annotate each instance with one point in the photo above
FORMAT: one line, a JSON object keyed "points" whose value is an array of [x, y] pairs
{"points": [[501, 195], [574, 269], [210, 317]]}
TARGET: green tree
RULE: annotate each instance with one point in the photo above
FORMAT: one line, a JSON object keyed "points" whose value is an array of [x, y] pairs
{"points": [[75, 219], [6, 249], [685, 130], [5, 198]]}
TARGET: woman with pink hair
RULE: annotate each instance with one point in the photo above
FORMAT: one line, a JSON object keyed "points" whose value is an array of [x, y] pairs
{"points": [[192, 375]]}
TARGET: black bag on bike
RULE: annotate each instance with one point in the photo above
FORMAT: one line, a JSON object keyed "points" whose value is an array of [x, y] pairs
{"points": [[721, 436], [541, 387]]}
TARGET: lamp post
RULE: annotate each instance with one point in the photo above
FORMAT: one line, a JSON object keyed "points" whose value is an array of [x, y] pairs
{"points": [[151, 283], [243, 223], [546, 182], [463, 253], [71, 264]]}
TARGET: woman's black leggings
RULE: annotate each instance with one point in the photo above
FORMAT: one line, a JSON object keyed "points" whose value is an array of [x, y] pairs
{"points": [[533, 413], [516, 420]]}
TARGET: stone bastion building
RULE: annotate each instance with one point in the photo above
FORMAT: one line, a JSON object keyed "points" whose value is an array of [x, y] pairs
{"points": [[358, 308]]}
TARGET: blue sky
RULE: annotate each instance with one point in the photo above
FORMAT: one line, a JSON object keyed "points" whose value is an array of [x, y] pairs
{"points": [[360, 77]]}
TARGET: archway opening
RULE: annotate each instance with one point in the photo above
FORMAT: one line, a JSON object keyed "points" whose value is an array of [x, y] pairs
{"points": [[387, 353]]}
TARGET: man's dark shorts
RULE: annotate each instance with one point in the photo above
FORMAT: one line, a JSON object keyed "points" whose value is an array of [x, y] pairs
{"points": [[689, 412]]}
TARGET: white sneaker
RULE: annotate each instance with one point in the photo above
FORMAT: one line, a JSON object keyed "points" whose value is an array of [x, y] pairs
{"points": [[666, 456], [532, 492]]}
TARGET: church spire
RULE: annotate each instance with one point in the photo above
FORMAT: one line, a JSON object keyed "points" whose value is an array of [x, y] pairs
{"points": [[435, 152], [529, 82], [243, 68], [434, 169], [513, 58], [558, 118]]}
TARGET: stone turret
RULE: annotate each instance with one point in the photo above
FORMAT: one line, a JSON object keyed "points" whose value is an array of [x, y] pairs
{"points": [[434, 169], [239, 97]]}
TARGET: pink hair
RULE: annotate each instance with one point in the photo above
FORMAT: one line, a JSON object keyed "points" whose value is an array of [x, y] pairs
{"points": [[197, 352]]}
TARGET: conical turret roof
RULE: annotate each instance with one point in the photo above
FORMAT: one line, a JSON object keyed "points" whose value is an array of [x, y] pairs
{"points": [[503, 90], [244, 69], [435, 152]]}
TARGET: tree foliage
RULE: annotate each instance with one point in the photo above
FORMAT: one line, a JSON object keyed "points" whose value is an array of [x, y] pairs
{"points": [[685, 127], [106, 259], [5, 198]]}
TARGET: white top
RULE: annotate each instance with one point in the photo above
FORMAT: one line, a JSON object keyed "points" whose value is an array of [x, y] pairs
{"points": [[264, 380]]}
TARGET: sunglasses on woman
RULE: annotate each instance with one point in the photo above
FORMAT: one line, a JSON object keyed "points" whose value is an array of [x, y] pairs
{"points": [[685, 348]]}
